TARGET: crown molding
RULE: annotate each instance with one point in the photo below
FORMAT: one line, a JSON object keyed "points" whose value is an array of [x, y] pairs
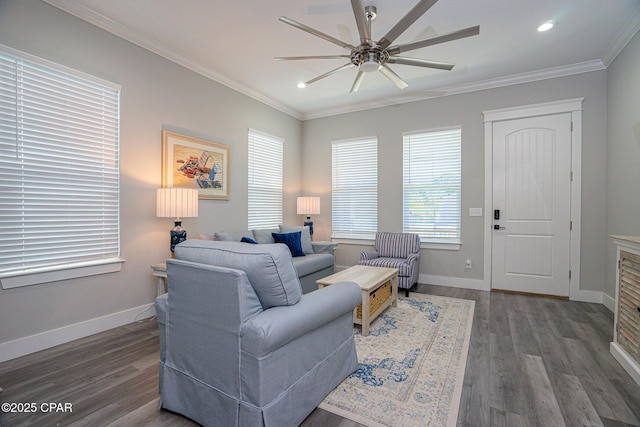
{"points": [[514, 79], [80, 11], [624, 37], [86, 14]]}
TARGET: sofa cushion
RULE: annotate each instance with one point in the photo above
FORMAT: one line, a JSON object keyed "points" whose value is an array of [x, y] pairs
{"points": [[268, 267], [404, 269], [264, 236], [234, 236], [311, 263], [292, 240], [248, 240], [305, 236]]}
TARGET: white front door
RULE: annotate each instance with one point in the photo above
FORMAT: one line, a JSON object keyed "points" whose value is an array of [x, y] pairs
{"points": [[531, 202]]}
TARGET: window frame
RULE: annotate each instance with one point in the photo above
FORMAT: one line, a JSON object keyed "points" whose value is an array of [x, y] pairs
{"points": [[259, 159], [452, 243], [371, 214], [51, 271]]}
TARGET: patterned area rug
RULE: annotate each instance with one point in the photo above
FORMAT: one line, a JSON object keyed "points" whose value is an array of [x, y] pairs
{"points": [[411, 366]]}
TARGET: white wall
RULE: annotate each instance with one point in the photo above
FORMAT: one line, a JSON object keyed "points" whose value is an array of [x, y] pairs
{"points": [[156, 94], [389, 123], [623, 152]]}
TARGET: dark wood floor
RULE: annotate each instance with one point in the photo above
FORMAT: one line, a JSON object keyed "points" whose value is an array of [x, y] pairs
{"points": [[532, 362]]}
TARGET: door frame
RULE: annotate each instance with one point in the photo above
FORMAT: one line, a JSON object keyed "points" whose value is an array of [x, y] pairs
{"points": [[573, 106]]}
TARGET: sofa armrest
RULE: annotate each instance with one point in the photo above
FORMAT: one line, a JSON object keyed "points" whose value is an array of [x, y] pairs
{"points": [[412, 258], [277, 326], [324, 247], [369, 255]]}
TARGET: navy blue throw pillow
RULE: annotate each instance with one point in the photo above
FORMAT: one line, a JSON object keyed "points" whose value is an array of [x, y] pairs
{"points": [[292, 240], [248, 240]]}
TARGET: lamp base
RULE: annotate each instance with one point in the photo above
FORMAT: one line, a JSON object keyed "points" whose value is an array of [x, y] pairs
{"points": [[309, 223], [178, 235]]}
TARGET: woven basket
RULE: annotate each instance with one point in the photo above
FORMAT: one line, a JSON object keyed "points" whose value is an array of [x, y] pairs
{"points": [[376, 299]]}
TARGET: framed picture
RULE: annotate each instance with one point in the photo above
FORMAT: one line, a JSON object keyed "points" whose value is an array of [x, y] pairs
{"points": [[195, 163]]}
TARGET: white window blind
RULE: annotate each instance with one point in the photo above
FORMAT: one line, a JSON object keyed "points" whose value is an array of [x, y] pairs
{"points": [[59, 168], [265, 180], [354, 188], [432, 181]]}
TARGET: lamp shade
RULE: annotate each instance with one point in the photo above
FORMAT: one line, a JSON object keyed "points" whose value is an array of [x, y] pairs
{"points": [[308, 205], [177, 202]]}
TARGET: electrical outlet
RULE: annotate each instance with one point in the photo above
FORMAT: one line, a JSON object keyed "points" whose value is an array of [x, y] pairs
{"points": [[475, 211], [467, 264]]}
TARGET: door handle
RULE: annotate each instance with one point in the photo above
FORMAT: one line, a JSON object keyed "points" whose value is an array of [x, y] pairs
{"points": [[497, 227]]}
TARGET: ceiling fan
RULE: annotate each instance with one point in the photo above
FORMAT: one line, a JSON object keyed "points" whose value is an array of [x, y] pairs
{"points": [[370, 56]]}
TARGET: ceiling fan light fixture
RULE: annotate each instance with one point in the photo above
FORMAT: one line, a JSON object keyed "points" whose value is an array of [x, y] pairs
{"points": [[370, 66], [546, 26]]}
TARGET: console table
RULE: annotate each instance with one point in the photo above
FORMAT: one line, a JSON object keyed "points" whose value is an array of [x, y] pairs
{"points": [[626, 332]]}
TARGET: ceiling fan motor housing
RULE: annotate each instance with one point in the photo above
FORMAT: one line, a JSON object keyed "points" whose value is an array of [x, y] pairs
{"points": [[368, 58]]}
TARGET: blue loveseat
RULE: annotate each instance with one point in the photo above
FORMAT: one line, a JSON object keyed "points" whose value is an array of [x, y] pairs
{"points": [[240, 345], [318, 260]]}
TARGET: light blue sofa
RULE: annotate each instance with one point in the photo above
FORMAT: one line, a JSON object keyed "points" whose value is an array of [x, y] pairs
{"points": [[318, 262], [240, 345]]}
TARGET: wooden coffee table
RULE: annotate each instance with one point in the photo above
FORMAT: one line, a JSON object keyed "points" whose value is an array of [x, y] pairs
{"points": [[379, 287]]}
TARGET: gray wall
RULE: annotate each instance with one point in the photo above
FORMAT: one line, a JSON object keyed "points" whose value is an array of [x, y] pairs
{"points": [[623, 151], [156, 94], [388, 123]]}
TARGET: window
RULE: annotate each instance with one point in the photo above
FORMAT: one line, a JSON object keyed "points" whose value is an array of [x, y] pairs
{"points": [[59, 172], [265, 180], [431, 185], [355, 188]]}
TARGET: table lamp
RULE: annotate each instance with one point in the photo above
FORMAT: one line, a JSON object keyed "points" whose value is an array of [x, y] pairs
{"points": [[308, 206], [177, 202]]}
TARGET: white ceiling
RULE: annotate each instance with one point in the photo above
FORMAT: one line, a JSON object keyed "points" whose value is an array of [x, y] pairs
{"points": [[234, 42]]}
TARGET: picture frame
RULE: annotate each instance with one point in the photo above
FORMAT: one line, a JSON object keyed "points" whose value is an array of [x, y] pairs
{"points": [[190, 162]]}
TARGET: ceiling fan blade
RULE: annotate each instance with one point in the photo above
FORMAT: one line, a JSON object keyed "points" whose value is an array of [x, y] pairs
{"points": [[322, 76], [388, 73], [421, 63], [316, 33], [361, 21], [454, 35], [357, 81], [294, 58], [402, 25]]}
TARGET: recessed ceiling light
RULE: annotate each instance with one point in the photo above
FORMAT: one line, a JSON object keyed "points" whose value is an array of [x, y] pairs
{"points": [[301, 85], [546, 26]]}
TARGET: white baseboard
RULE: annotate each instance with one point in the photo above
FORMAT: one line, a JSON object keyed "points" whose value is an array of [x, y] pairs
{"points": [[33, 343], [587, 296], [609, 302], [454, 282], [481, 285], [629, 365]]}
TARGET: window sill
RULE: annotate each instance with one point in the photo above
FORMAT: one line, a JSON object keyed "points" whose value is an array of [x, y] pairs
{"points": [[443, 246], [72, 271], [354, 241]]}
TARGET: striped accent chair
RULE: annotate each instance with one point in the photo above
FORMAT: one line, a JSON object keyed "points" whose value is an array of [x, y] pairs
{"points": [[396, 250]]}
